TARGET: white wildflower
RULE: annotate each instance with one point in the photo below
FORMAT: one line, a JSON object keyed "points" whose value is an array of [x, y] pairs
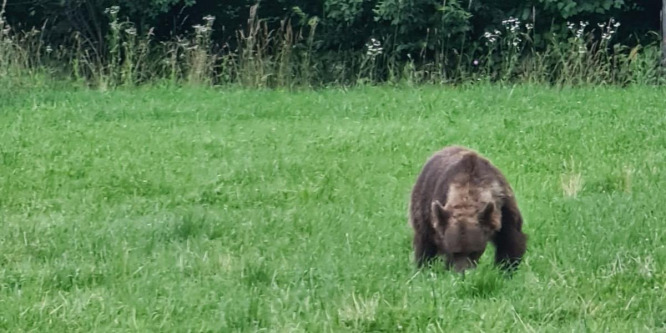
{"points": [[374, 48], [513, 24], [611, 29], [200, 29], [113, 10], [510, 21], [581, 29], [491, 38]]}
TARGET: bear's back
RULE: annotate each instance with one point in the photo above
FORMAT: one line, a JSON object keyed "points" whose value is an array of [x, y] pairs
{"points": [[455, 167]]}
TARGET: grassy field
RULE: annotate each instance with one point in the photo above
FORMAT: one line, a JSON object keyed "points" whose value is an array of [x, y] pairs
{"points": [[160, 209]]}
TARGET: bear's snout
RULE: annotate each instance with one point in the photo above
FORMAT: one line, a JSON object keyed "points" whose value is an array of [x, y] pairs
{"points": [[460, 265]]}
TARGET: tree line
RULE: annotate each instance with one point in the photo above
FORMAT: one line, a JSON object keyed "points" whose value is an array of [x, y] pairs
{"points": [[404, 29]]}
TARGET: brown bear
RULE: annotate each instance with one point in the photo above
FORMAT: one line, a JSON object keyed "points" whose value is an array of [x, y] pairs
{"points": [[459, 203]]}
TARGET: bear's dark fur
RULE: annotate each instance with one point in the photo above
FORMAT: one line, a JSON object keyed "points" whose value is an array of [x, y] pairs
{"points": [[459, 203]]}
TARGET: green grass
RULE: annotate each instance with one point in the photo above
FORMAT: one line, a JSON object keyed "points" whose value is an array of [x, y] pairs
{"points": [[158, 209]]}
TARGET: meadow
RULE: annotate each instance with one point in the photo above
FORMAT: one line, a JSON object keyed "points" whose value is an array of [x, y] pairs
{"points": [[231, 210]]}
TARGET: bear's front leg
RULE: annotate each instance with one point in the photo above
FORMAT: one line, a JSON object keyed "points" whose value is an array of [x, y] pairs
{"points": [[510, 242], [424, 250]]}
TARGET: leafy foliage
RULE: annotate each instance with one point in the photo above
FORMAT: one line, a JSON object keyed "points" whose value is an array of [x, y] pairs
{"points": [[413, 20], [345, 23], [570, 8]]}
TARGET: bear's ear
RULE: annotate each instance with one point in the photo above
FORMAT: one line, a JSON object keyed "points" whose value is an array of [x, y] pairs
{"points": [[439, 214], [486, 216]]}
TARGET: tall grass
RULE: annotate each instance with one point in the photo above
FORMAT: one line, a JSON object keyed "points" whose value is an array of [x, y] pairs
{"points": [[287, 56], [20, 52]]}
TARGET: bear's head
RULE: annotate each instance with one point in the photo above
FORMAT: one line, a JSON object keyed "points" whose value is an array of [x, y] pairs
{"points": [[462, 232]]}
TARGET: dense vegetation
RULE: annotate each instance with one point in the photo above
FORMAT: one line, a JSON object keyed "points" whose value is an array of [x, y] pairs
{"points": [[299, 42]]}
